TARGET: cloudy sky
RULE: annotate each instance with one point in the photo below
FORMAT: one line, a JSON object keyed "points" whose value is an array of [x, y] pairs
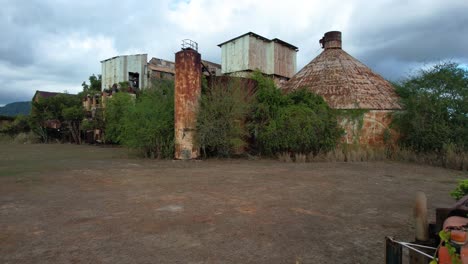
{"points": [[54, 45]]}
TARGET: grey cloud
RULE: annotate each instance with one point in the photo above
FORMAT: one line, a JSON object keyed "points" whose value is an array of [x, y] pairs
{"points": [[394, 49], [391, 37]]}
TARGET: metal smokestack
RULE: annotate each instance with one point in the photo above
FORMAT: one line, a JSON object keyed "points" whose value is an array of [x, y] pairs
{"points": [[331, 40]]}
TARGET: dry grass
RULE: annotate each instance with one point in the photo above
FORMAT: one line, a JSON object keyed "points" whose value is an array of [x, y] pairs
{"points": [[300, 158], [26, 138], [5, 138], [285, 157], [449, 158]]}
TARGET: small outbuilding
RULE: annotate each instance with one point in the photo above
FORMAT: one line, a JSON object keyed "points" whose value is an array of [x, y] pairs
{"points": [[365, 98]]}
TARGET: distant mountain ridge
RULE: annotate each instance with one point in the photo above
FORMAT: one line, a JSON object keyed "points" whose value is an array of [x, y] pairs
{"points": [[16, 108]]}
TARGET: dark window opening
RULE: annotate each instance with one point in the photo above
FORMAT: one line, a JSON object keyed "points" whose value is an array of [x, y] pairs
{"points": [[134, 79]]}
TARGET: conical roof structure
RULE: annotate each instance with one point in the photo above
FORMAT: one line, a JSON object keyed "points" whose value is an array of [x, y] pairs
{"points": [[343, 81]]}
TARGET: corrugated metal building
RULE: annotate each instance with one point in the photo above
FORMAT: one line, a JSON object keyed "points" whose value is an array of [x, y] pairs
{"points": [[161, 69], [346, 83], [138, 72], [249, 52], [125, 68]]}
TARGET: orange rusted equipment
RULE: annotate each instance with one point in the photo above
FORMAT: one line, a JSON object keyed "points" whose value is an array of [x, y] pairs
{"points": [[453, 220], [187, 94]]}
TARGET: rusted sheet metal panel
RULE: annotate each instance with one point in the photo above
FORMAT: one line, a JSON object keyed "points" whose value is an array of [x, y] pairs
{"points": [[252, 52], [259, 55], [284, 60], [187, 95], [345, 83], [368, 131]]}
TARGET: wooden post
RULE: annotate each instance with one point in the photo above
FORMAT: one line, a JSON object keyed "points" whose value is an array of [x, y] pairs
{"points": [[420, 217], [421, 228]]}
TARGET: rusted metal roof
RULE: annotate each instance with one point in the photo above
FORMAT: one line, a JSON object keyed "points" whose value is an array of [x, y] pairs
{"points": [[344, 82], [161, 68], [284, 43]]}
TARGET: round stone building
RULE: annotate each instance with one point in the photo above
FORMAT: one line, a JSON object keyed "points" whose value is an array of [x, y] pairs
{"points": [[365, 98]]}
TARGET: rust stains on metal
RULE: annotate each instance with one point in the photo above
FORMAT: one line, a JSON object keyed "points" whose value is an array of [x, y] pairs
{"points": [[343, 81], [371, 131], [331, 40], [346, 83], [187, 95]]}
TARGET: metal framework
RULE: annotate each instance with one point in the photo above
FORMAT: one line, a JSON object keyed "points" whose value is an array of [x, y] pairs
{"points": [[189, 44]]}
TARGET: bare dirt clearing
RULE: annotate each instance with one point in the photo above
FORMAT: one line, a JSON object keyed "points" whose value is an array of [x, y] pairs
{"points": [[84, 204]]}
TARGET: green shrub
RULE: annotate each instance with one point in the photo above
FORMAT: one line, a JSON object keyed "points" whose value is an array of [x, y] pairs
{"points": [[148, 125], [221, 119], [435, 109], [116, 108], [299, 122], [461, 190], [19, 125]]}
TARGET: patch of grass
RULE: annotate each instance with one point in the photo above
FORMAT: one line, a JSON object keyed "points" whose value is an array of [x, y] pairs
{"points": [[300, 158], [285, 157]]}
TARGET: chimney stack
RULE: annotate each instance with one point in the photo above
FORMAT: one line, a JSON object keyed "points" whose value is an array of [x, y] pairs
{"points": [[331, 40]]}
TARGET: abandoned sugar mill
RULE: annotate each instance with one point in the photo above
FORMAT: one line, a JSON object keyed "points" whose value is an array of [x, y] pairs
{"points": [[344, 82]]}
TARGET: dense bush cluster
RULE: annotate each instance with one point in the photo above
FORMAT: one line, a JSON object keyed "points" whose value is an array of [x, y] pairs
{"points": [[64, 109], [272, 122], [435, 116], [145, 123], [297, 122], [221, 119]]}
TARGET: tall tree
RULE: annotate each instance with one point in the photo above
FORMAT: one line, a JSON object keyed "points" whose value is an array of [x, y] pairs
{"points": [[94, 84], [436, 108]]}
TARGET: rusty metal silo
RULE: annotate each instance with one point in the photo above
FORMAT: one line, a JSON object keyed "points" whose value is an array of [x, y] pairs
{"points": [[187, 94]]}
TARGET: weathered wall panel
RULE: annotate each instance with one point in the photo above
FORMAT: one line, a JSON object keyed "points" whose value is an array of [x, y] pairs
{"points": [[368, 130], [259, 52], [116, 69], [187, 94], [235, 55], [251, 52], [284, 60]]}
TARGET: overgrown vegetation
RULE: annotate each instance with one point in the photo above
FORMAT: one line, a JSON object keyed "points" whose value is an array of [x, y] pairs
{"points": [[264, 122], [64, 110], [116, 109], [221, 119], [148, 124], [353, 118], [435, 115], [94, 84], [19, 124], [461, 190], [298, 122], [433, 126]]}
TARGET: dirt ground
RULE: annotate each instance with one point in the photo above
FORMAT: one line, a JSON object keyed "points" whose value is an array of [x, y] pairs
{"points": [[86, 204]]}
